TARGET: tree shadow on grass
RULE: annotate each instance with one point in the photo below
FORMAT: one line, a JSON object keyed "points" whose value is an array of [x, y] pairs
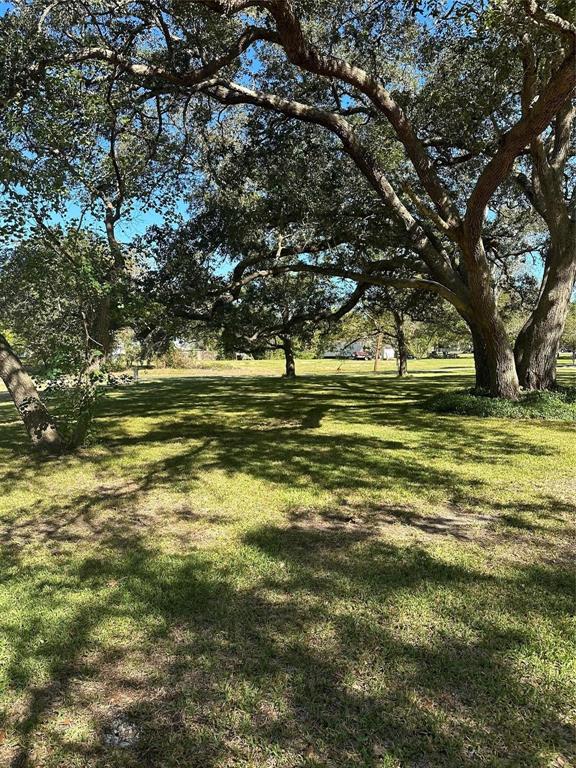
{"points": [[266, 430], [192, 405], [266, 412], [312, 647]]}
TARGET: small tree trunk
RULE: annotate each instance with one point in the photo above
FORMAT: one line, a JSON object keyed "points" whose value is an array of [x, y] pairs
{"points": [[378, 352], [34, 414], [289, 358], [538, 342], [401, 342]]}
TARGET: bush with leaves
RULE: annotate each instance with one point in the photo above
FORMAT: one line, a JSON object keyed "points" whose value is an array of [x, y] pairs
{"points": [[558, 405]]}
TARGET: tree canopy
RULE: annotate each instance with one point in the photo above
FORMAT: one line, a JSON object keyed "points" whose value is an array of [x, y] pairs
{"points": [[407, 146]]}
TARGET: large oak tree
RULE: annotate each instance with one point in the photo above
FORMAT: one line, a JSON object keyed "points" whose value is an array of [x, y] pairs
{"points": [[356, 70]]}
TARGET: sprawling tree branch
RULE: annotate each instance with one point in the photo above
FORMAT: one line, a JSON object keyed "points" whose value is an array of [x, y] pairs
{"points": [[369, 278], [300, 52], [162, 74], [535, 119], [551, 20], [234, 93]]}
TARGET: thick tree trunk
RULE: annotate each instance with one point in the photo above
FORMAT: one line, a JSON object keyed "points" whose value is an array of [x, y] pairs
{"points": [[105, 317], [493, 345], [289, 358], [538, 342], [499, 358], [401, 343], [481, 366], [34, 414], [101, 334]]}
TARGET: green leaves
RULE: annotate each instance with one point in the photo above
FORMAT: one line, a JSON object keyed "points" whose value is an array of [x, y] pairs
{"points": [[49, 294]]}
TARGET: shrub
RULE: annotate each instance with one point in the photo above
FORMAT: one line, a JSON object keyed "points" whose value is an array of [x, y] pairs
{"points": [[74, 401], [556, 405], [178, 358]]}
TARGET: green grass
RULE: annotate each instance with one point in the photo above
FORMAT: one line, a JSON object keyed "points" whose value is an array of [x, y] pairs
{"points": [[262, 573]]}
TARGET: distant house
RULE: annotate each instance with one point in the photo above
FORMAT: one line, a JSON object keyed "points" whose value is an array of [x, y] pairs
{"points": [[357, 350], [343, 349]]}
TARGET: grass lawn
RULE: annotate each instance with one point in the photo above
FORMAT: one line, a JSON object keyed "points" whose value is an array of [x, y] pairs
{"points": [[243, 571]]}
